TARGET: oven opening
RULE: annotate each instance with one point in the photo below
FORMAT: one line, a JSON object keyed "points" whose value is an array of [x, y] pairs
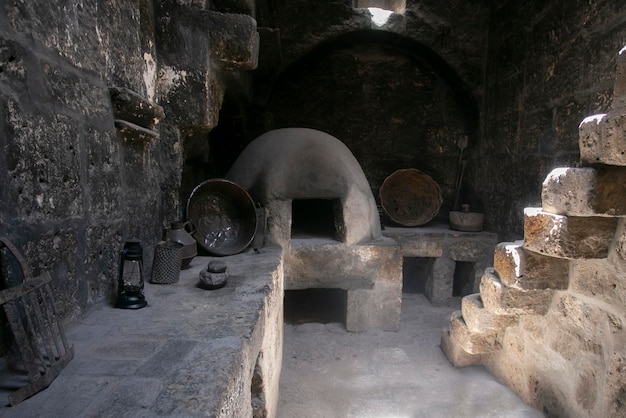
{"points": [[315, 306], [314, 218]]}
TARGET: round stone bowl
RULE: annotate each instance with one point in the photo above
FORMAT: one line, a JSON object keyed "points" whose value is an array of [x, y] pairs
{"points": [[466, 221]]}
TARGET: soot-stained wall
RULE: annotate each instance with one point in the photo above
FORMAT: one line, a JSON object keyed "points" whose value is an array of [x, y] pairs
{"points": [[389, 106], [69, 182], [549, 65]]}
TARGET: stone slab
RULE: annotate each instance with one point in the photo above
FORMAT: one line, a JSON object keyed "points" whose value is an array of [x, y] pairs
{"points": [[325, 263], [602, 138], [440, 240], [504, 300], [521, 268], [455, 353], [567, 237], [585, 191], [481, 320], [472, 342]]}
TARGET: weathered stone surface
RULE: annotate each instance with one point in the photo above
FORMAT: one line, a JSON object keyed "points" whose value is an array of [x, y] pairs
{"points": [[615, 392], [417, 242], [567, 237], [335, 265], [599, 279], [43, 161], [472, 342], [471, 250], [440, 282], [585, 191], [592, 321], [509, 301], [76, 94], [481, 320], [619, 247], [602, 138], [455, 353], [522, 268], [12, 56]]}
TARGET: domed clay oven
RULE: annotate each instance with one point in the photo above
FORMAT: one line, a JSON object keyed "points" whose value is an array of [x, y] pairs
{"points": [[284, 166]]}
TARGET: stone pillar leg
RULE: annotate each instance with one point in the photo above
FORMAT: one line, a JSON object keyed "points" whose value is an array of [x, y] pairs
{"points": [[439, 282]]}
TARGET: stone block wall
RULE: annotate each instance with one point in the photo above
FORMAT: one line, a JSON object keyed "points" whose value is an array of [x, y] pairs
{"points": [[68, 180], [93, 100], [550, 317], [549, 65]]}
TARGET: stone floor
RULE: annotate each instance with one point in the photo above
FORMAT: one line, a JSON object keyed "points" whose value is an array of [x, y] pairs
{"points": [[328, 372]]}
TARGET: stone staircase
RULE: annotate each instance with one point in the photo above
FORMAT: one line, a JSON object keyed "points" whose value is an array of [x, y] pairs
{"points": [[544, 284]]}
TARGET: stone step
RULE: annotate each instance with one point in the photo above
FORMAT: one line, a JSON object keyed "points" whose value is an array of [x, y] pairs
{"points": [[481, 320], [568, 237], [504, 300], [585, 191], [455, 353], [602, 138], [472, 342], [521, 268]]}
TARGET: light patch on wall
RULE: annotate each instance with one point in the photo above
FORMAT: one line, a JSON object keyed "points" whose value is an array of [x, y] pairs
{"points": [[379, 16], [149, 75]]}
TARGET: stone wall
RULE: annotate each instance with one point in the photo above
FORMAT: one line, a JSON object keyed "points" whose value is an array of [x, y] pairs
{"points": [[398, 96], [549, 65], [93, 100], [69, 181]]}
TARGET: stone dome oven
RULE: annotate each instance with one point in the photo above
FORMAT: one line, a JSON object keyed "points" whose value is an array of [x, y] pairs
{"points": [[284, 166], [293, 169]]}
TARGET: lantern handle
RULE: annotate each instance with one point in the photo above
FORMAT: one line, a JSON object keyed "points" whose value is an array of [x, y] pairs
{"points": [[189, 227]]}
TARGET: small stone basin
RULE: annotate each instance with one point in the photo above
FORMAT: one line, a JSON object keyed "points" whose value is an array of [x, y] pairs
{"points": [[466, 221]]}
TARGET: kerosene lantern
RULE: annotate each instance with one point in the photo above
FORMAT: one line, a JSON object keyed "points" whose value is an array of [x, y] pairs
{"points": [[130, 278]]}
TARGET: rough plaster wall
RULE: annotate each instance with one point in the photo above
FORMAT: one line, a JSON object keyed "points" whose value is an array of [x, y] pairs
{"points": [[69, 183], [549, 65]]}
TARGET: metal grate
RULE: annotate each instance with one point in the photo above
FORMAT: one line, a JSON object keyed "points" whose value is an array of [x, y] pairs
{"points": [[31, 312]]}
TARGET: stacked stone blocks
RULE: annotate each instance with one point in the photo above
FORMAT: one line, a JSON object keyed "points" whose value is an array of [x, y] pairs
{"points": [[554, 303]]}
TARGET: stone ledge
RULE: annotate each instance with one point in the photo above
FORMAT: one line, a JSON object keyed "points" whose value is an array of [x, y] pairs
{"points": [[190, 352], [510, 301], [568, 236], [434, 241], [602, 138], [585, 191], [472, 342], [481, 320], [455, 353], [521, 268]]}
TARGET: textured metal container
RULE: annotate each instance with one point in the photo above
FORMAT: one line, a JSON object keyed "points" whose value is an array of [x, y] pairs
{"points": [[168, 257], [223, 216]]}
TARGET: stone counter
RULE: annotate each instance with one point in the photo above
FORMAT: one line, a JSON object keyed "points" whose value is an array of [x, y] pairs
{"points": [[190, 352], [447, 247]]}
